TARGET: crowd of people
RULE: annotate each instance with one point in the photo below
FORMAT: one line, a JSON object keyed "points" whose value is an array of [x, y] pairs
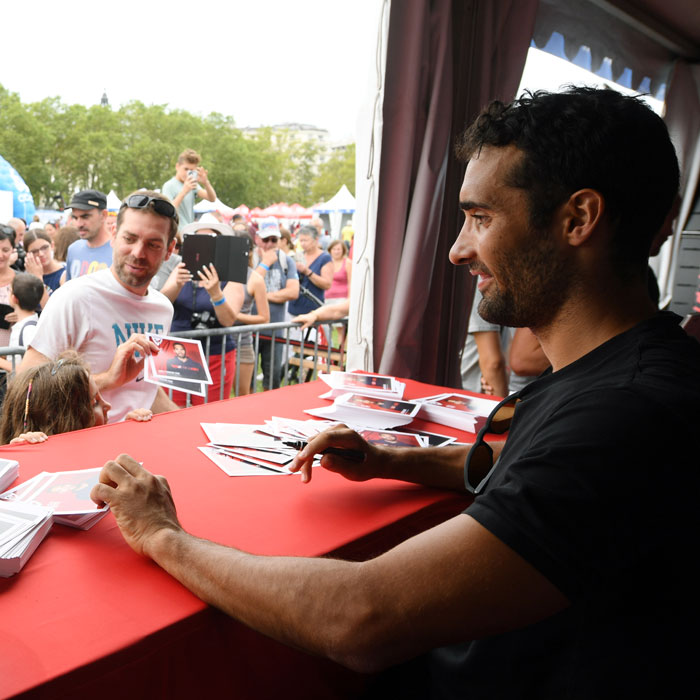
{"points": [[123, 277]]}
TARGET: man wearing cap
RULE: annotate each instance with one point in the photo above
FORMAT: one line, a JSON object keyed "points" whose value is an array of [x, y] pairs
{"points": [[190, 178], [93, 251], [106, 316], [282, 283]]}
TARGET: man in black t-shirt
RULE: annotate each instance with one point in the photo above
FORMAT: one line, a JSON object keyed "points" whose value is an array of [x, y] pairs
{"points": [[572, 574]]}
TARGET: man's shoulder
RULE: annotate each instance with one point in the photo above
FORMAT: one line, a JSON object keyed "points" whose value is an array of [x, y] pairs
{"points": [[172, 185]]}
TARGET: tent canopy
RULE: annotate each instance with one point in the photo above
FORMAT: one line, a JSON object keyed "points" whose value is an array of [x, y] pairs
{"points": [[342, 201]]}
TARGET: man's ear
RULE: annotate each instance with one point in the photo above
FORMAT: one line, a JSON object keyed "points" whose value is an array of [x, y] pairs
{"points": [[582, 214], [171, 247]]}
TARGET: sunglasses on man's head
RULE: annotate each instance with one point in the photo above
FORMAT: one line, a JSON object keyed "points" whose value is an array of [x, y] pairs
{"points": [[143, 201], [479, 464]]}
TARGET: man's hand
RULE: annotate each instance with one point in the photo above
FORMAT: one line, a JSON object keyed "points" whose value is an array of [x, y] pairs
{"points": [[338, 437], [202, 176], [141, 502], [125, 366], [189, 184], [268, 257]]}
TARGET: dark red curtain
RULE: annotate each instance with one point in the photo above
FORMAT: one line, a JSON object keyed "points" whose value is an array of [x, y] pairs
{"points": [[445, 60]]}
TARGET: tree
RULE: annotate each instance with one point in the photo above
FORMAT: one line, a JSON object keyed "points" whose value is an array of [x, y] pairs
{"points": [[337, 171]]}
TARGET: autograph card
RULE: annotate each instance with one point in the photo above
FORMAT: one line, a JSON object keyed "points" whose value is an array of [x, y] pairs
{"points": [[181, 359], [67, 493]]}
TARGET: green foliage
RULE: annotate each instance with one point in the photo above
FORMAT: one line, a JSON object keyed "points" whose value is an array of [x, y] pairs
{"points": [[59, 148], [339, 170]]}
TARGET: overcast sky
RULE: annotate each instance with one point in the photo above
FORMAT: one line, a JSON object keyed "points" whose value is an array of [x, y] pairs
{"points": [[260, 61]]}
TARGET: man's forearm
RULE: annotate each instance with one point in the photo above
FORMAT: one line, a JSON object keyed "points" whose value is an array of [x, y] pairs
{"points": [[298, 604]]}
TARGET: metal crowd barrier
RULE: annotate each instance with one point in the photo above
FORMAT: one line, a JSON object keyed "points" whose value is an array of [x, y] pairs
{"points": [[306, 360]]}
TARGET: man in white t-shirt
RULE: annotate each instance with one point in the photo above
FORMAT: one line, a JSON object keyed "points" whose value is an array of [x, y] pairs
{"points": [[106, 315]]}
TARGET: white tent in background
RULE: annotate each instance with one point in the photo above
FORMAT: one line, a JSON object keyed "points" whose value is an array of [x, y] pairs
{"points": [[339, 209], [113, 202], [204, 206]]}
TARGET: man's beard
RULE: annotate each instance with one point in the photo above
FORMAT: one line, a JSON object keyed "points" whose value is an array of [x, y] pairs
{"points": [[531, 289], [132, 280]]}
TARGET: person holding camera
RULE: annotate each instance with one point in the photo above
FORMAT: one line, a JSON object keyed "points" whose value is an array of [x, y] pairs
{"points": [[190, 180], [201, 301]]}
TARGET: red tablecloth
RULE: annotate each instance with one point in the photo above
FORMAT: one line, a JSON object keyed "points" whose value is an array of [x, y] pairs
{"points": [[87, 615]]}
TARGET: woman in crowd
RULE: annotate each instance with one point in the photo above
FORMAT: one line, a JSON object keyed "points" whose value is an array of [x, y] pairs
{"points": [[40, 260], [315, 272], [65, 236], [254, 292], [342, 273], [285, 243], [52, 398], [7, 274], [51, 228], [202, 301]]}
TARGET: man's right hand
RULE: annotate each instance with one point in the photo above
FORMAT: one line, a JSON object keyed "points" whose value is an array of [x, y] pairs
{"points": [[268, 257], [125, 366], [341, 437], [189, 184]]}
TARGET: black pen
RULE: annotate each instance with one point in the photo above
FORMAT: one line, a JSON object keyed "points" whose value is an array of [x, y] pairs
{"points": [[252, 464], [350, 455]]}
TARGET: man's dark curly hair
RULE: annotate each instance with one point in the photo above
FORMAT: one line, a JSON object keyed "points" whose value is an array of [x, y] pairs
{"points": [[587, 138]]}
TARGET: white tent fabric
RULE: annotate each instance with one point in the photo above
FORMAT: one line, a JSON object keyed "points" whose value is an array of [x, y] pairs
{"points": [[204, 206], [342, 202], [113, 202], [369, 147]]}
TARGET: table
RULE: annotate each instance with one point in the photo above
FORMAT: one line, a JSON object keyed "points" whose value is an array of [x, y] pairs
{"points": [[88, 617]]}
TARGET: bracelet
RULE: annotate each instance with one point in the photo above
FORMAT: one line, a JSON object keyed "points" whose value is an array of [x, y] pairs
{"points": [[264, 266], [220, 302]]}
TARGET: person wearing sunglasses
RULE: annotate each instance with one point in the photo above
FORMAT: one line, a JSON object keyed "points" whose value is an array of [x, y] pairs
{"points": [[106, 315], [572, 574]]}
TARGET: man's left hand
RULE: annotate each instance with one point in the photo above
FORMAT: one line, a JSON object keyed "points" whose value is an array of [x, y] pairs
{"points": [[141, 502]]}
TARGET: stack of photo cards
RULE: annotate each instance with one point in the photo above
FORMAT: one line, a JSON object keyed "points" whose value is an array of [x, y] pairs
{"points": [[362, 411], [380, 385], [22, 528], [459, 411], [66, 493], [240, 449], [180, 364], [393, 438], [9, 471], [243, 450]]}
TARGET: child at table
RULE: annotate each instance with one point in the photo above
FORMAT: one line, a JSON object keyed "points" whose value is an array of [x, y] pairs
{"points": [[52, 398]]}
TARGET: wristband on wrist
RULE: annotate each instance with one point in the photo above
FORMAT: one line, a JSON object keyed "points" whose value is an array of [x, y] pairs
{"points": [[264, 266], [219, 302]]}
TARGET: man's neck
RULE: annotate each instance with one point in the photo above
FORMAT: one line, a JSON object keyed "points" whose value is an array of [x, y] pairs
{"points": [[99, 240], [140, 291], [581, 326]]}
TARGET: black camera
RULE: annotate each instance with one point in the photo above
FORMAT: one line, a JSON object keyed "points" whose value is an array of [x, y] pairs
{"points": [[200, 320]]}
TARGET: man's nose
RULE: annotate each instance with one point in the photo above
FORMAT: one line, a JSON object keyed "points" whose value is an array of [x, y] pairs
{"points": [[463, 251]]}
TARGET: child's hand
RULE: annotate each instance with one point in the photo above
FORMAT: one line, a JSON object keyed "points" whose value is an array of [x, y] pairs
{"points": [[139, 414], [30, 438]]}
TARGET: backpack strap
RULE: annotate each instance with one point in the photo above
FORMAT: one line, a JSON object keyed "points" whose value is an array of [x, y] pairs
{"points": [[24, 327]]}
